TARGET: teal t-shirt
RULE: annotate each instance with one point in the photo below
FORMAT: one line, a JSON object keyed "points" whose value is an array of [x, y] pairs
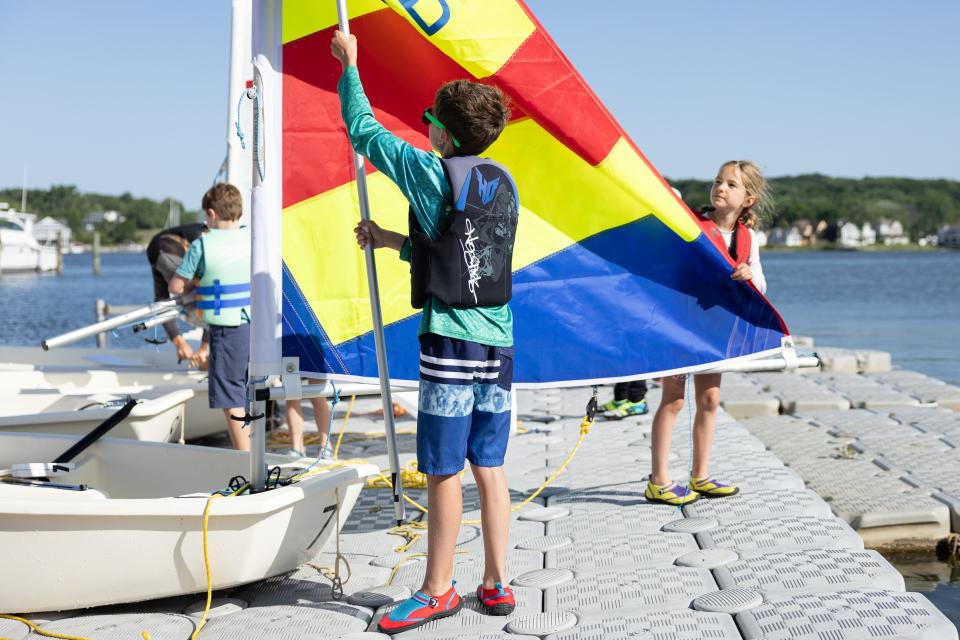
{"points": [[421, 179], [192, 264]]}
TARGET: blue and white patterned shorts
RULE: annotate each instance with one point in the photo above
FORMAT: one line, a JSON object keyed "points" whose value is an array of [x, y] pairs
{"points": [[465, 401]]}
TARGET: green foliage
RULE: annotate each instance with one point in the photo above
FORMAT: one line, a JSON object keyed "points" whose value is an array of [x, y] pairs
{"points": [[922, 206], [68, 204]]}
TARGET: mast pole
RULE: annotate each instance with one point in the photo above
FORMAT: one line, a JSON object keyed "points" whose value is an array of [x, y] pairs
{"points": [[378, 338], [266, 208]]}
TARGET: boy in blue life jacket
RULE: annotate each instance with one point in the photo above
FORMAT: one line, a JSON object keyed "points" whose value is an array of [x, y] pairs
{"points": [[462, 223], [220, 259]]}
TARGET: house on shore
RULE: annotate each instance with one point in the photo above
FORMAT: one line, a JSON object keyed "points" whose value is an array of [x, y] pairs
{"points": [[890, 232], [47, 230], [785, 237], [851, 236], [949, 236], [94, 221]]}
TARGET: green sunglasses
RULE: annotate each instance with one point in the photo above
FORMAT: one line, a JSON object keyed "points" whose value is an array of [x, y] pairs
{"points": [[429, 118]]}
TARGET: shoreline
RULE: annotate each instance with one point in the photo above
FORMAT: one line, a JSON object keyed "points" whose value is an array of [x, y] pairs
{"points": [[830, 247]]}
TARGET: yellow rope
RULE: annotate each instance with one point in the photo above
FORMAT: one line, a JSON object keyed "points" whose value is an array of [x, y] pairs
{"points": [[410, 477], [37, 629], [404, 560], [206, 556], [343, 428]]}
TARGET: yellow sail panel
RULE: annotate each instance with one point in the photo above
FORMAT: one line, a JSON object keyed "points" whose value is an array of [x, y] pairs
{"points": [[330, 273], [481, 36], [581, 199], [303, 17]]}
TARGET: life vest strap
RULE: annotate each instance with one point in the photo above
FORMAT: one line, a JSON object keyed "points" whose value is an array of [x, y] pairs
{"points": [[218, 303], [218, 289]]}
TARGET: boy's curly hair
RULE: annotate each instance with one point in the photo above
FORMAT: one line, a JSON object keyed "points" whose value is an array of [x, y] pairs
{"points": [[474, 113], [225, 200]]}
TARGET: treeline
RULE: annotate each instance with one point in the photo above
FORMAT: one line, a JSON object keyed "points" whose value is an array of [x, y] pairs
{"points": [[65, 203], [922, 206]]}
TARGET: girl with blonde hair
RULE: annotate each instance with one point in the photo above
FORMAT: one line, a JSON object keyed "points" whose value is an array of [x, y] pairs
{"points": [[738, 197]]}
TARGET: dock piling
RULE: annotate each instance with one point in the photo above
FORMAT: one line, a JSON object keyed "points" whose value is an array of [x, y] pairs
{"points": [[59, 245], [101, 305], [96, 253]]}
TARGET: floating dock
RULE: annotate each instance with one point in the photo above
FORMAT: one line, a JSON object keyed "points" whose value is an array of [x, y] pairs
{"points": [[590, 558]]}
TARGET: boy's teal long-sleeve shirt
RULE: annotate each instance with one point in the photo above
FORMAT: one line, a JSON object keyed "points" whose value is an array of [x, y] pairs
{"points": [[421, 179]]}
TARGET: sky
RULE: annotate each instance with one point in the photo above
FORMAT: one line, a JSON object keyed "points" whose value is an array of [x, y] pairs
{"points": [[117, 96]]}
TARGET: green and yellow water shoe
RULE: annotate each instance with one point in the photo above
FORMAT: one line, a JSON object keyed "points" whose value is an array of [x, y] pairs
{"points": [[627, 409], [672, 494], [612, 405], [711, 488]]}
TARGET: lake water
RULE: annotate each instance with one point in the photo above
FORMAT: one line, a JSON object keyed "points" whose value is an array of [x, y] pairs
{"points": [[907, 303], [901, 302]]}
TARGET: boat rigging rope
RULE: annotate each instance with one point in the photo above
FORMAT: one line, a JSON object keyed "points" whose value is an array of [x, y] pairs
{"points": [[245, 94], [333, 575]]}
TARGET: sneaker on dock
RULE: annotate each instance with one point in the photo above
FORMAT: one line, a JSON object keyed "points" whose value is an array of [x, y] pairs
{"points": [[612, 405], [420, 609], [498, 601], [710, 487], [626, 409], [672, 493]]}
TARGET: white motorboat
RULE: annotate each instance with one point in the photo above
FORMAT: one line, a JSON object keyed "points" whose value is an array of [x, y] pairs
{"points": [[126, 524], [19, 250], [159, 415]]}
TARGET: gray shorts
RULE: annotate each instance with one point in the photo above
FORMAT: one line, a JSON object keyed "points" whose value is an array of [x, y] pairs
{"points": [[227, 376]]}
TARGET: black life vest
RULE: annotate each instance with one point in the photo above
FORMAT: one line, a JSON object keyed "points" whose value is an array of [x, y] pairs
{"points": [[471, 264], [740, 244]]}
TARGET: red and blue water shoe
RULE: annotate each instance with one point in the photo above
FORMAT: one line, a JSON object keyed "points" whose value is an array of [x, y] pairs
{"points": [[498, 601], [419, 610]]}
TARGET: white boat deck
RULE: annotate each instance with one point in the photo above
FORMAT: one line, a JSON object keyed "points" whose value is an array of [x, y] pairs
{"points": [[590, 558]]}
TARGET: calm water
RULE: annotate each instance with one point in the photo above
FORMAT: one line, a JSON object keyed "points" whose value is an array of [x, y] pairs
{"points": [[38, 306], [936, 580], [904, 303]]}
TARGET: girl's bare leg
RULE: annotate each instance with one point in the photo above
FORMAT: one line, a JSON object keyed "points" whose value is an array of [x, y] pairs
{"points": [[671, 402]]}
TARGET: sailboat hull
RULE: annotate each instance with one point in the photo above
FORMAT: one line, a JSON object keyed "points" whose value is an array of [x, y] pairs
{"points": [[137, 533]]}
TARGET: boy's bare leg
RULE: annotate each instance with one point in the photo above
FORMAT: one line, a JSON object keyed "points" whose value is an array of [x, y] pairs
{"points": [[707, 388], [494, 521], [239, 435], [321, 410], [671, 402], [446, 510]]}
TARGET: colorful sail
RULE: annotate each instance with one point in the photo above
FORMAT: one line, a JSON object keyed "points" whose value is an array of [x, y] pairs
{"points": [[613, 276]]}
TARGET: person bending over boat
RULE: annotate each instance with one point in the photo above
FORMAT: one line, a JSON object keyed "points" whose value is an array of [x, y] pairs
{"points": [[463, 211], [221, 259], [739, 191], [165, 253]]}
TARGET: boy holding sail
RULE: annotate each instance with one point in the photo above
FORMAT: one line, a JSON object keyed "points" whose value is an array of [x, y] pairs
{"points": [[462, 223]]}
